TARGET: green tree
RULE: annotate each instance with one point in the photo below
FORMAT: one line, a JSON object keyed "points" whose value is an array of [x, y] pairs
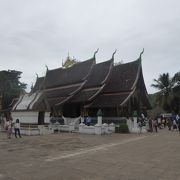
{"points": [[164, 84], [176, 83], [10, 86], [175, 103], [168, 96]]}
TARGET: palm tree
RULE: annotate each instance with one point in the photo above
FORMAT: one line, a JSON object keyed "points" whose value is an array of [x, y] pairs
{"points": [[164, 84], [176, 83], [175, 103]]}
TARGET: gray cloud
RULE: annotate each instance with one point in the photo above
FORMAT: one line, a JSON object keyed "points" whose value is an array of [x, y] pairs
{"points": [[38, 32]]}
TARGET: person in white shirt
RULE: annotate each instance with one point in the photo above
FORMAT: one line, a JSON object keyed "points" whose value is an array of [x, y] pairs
{"points": [[17, 128], [142, 116]]}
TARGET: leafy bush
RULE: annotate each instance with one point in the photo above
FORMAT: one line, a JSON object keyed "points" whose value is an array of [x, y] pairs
{"points": [[123, 128]]}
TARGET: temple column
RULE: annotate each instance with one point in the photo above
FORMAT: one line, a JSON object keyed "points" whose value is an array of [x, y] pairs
{"points": [[98, 126], [99, 120], [99, 117]]}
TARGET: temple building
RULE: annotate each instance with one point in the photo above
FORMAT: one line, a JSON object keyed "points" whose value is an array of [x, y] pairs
{"points": [[85, 87]]}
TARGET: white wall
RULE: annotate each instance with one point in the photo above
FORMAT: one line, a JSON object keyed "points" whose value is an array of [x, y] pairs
{"points": [[26, 117], [47, 117]]}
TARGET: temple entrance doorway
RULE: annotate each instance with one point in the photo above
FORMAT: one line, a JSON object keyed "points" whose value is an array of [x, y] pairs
{"points": [[41, 118]]}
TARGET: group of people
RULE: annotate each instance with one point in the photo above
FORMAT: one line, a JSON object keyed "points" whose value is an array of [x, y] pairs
{"points": [[173, 123], [9, 125], [153, 125]]}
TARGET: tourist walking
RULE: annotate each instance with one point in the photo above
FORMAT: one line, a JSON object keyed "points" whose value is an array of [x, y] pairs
{"points": [[169, 123], [8, 128], [17, 128], [150, 125], [174, 125], [159, 122], [155, 124], [140, 124], [164, 123]]}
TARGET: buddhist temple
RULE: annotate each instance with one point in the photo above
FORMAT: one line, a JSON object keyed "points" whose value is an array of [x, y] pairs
{"points": [[85, 87]]}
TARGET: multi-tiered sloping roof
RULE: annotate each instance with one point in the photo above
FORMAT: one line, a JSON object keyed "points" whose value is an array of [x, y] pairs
{"points": [[95, 82], [90, 84], [62, 84], [122, 83]]}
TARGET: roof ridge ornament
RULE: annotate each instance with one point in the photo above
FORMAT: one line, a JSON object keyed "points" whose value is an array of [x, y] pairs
{"points": [[37, 75], [46, 67], [32, 87], [141, 53], [114, 54], [95, 53], [62, 63]]}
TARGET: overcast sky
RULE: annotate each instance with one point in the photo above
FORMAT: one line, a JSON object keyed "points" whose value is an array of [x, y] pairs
{"points": [[38, 32]]}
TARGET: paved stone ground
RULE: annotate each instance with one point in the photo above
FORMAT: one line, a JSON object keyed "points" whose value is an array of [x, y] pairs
{"points": [[64, 156]]}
